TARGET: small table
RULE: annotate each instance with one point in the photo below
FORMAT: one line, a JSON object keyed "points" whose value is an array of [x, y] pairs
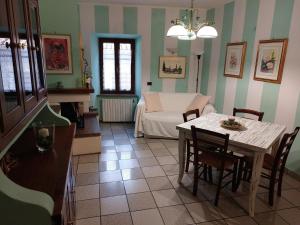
{"points": [[254, 141]]}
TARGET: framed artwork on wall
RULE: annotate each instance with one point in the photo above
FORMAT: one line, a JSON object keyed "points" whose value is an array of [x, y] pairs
{"points": [[172, 67], [235, 59], [57, 54], [270, 60]]}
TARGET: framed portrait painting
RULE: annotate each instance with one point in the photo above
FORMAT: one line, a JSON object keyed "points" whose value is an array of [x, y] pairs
{"points": [[235, 59], [57, 54], [270, 60], [172, 67]]}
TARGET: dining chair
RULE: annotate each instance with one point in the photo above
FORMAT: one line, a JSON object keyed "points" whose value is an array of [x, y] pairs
{"points": [[210, 148], [187, 116], [260, 115], [275, 165]]}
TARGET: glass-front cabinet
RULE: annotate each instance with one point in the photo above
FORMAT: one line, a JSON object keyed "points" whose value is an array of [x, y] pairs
{"points": [[22, 82]]}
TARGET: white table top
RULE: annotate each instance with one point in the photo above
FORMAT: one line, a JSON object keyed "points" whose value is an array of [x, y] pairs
{"points": [[257, 136]]}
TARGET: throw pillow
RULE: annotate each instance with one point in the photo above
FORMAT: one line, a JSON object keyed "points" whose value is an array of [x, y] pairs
{"points": [[199, 102], [152, 102]]}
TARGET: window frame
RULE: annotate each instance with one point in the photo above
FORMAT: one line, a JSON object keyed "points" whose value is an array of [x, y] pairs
{"points": [[117, 42]]}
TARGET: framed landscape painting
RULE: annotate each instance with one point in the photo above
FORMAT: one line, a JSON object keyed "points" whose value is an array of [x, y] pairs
{"points": [[235, 59], [270, 60], [57, 54], [172, 67]]}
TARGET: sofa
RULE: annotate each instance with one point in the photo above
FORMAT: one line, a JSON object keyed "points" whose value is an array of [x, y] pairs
{"points": [[163, 123]]}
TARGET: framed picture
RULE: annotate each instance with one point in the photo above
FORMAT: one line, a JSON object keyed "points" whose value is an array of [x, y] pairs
{"points": [[270, 60], [235, 59], [172, 67], [57, 54]]}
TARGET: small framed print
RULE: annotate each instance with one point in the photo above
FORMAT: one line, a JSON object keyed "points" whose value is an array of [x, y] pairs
{"points": [[172, 67], [57, 54], [235, 59], [270, 60]]}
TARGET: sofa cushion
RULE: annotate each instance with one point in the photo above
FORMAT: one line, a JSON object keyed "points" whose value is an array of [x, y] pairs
{"points": [[152, 101], [199, 102]]}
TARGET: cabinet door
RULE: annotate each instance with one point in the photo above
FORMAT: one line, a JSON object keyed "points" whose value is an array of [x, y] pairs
{"points": [[24, 52], [36, 48], [10, 85]]}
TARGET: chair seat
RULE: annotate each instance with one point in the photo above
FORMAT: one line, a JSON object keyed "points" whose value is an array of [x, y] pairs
{"points": [[215, 160], [268, 161]]}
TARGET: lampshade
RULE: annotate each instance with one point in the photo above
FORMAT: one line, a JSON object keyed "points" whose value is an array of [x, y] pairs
{"points": [[207, 32], [177, 30], [191, 35]]}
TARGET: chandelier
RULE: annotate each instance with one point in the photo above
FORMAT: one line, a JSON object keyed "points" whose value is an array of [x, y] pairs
{"points": [[190, 27]]}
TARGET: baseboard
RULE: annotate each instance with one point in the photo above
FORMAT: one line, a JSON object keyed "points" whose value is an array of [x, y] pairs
{"points": [[292, 174]]}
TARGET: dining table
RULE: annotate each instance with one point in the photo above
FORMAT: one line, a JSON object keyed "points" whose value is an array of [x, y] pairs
{"points": [[254, 140]]}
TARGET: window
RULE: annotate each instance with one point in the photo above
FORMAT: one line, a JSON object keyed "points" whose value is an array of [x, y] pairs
{"points": [[117, 65]]}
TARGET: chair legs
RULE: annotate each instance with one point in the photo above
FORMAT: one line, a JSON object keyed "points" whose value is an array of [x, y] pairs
{"points": [[196, 177], [188, 156], [219, 186]]}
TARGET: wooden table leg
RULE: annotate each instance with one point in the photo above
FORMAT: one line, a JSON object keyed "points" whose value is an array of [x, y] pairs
{"points": [[182, 153], [255, 179]]}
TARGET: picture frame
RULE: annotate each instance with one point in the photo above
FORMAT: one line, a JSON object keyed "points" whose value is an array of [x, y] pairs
{"points": [[57, 53], [270, 60], [172, 67], [235, 59]]}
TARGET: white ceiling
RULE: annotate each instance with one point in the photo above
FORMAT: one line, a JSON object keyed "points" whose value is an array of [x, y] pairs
{"points": [[173, 3]]}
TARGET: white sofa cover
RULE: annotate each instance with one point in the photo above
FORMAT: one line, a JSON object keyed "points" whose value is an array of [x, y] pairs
{"points": [[163, 124]]}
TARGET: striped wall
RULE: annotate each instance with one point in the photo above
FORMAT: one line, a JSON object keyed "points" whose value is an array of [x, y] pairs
{"points": [[251, 21], [151, 24]]}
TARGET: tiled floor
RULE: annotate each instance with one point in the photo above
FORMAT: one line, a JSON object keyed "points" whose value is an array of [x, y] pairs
{"points": [[134, 182]]}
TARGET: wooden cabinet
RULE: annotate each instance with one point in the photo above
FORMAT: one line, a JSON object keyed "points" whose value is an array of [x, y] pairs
{"points": [[22, 80]]}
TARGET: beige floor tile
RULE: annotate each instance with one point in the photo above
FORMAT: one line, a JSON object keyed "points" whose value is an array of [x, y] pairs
{"points": [[87, 179], [171, 169], [156, 145], [89, 221], [126, 155], [217, 222], [91, 158], [160, 152], [136, 186], [147, 217], [166, 160], [174, 215], [260, 206], [269, 218], [141, 201], [228, 208], [132, 174], [108, 165], [122, 140], [159, 183], [140, 147], [291, 216], [294, 183], [244, 220], [137, 141], [87, 192], [107, 143], [114, 205], [110, 176], [170, 143], [293, 196], [87, 208], [153, 171], [203, 211], [187, 196], [87, 168], [112, 189], [124, 148], [144, 154], [117, 219], [108, 156], [146, 162], [129, 164], [279, 202], [173, 150], [166, 198], [107, 149]]}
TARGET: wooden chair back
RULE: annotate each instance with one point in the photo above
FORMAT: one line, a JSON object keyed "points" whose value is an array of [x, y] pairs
{"points": [[195, 113], [260, 115]]}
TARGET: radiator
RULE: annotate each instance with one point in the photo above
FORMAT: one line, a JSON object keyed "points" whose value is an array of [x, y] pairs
{"points": [[117, 110]]}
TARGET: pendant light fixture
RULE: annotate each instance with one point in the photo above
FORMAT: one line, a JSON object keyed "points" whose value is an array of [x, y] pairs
{"points": [[189, 27]]}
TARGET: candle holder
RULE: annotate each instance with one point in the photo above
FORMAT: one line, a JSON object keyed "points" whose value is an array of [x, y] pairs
{"points": [[44, 136]]}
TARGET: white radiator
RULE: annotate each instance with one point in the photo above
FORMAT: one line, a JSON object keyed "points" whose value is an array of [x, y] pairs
{"points": [[117, 110]]}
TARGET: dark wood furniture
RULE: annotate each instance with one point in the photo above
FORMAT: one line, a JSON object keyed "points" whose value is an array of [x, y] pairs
{"points": [[260, 115], [210, 148], [275, 165], [22, 81], [70, 91], [91, 126], [187, 116], [49, 172]]}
